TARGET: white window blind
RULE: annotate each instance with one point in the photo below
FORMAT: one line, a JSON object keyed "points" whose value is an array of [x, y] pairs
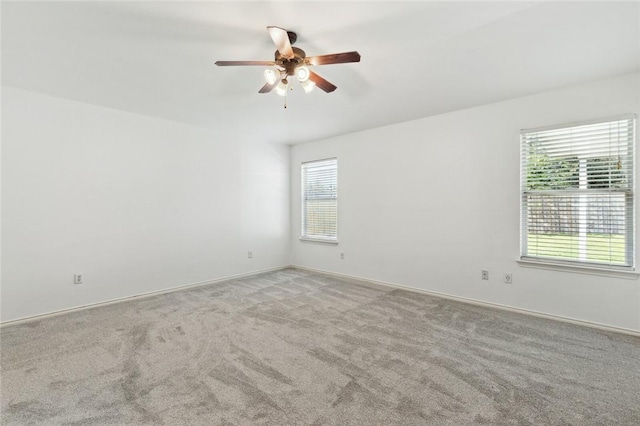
{"points": [[577, 193], [320, 200]]}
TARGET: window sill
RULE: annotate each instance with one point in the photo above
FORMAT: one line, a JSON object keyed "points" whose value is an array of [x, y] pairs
{"points": [[579, 269], [318, 240]]}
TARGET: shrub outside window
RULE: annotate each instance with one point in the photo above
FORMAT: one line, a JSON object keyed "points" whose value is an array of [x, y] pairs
{"points": [[577, 193]]}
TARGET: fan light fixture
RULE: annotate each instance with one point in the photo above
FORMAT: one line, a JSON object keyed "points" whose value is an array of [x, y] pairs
{"points": [[303, 74], [307, 86], [270, 75], [281, 88]]}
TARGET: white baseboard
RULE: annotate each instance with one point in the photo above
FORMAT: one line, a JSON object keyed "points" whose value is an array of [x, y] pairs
{"points": [[481, 303], [138, 296], [367, 280]]}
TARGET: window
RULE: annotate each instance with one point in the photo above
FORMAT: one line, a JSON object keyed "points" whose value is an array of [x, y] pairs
{"points": [[577, 193], [320, 200]]}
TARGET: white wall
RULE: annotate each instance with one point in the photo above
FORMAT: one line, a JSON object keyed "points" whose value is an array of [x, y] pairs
{"points": [[431, 202], [134, 203], [139, 204]]}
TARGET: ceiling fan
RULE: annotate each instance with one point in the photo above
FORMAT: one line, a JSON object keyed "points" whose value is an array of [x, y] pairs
{"points": [[291, 61]]}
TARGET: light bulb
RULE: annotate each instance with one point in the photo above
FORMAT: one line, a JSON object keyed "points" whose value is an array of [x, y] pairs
{"points": [[308, 86], [281, 88], [303, 74], [270, 75]]}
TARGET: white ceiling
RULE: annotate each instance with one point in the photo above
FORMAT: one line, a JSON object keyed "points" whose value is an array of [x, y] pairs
{"points": [[418, 58]]}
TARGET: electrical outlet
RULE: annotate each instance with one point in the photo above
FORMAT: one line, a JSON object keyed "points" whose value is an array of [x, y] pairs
{"points": [[77, 279], [341, 255], [508, 278], [250, 255], [485, 274]]}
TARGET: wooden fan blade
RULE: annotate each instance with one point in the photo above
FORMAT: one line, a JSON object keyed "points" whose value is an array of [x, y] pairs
{"points": [[334, 58], [237, 63], [281, 40], [268, 87], [321, 82]]}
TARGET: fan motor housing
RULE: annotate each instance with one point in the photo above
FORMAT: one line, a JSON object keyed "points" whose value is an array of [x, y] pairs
{"points": [[292, 36], [290, 65]]}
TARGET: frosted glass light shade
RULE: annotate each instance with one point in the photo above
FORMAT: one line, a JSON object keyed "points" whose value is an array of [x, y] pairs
{"points": [[270, 75], [308, 86], [302, 73], [281, 88]]}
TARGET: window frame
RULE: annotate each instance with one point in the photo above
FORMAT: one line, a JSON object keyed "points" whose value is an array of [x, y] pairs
{"points": [[584, 265], [304, 234]]}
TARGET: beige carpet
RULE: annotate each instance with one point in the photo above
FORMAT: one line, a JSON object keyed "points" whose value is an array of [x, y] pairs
{"points": [[294, 347]]}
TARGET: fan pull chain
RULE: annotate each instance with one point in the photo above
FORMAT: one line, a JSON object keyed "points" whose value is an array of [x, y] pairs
{"points": [[285, 96]]}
